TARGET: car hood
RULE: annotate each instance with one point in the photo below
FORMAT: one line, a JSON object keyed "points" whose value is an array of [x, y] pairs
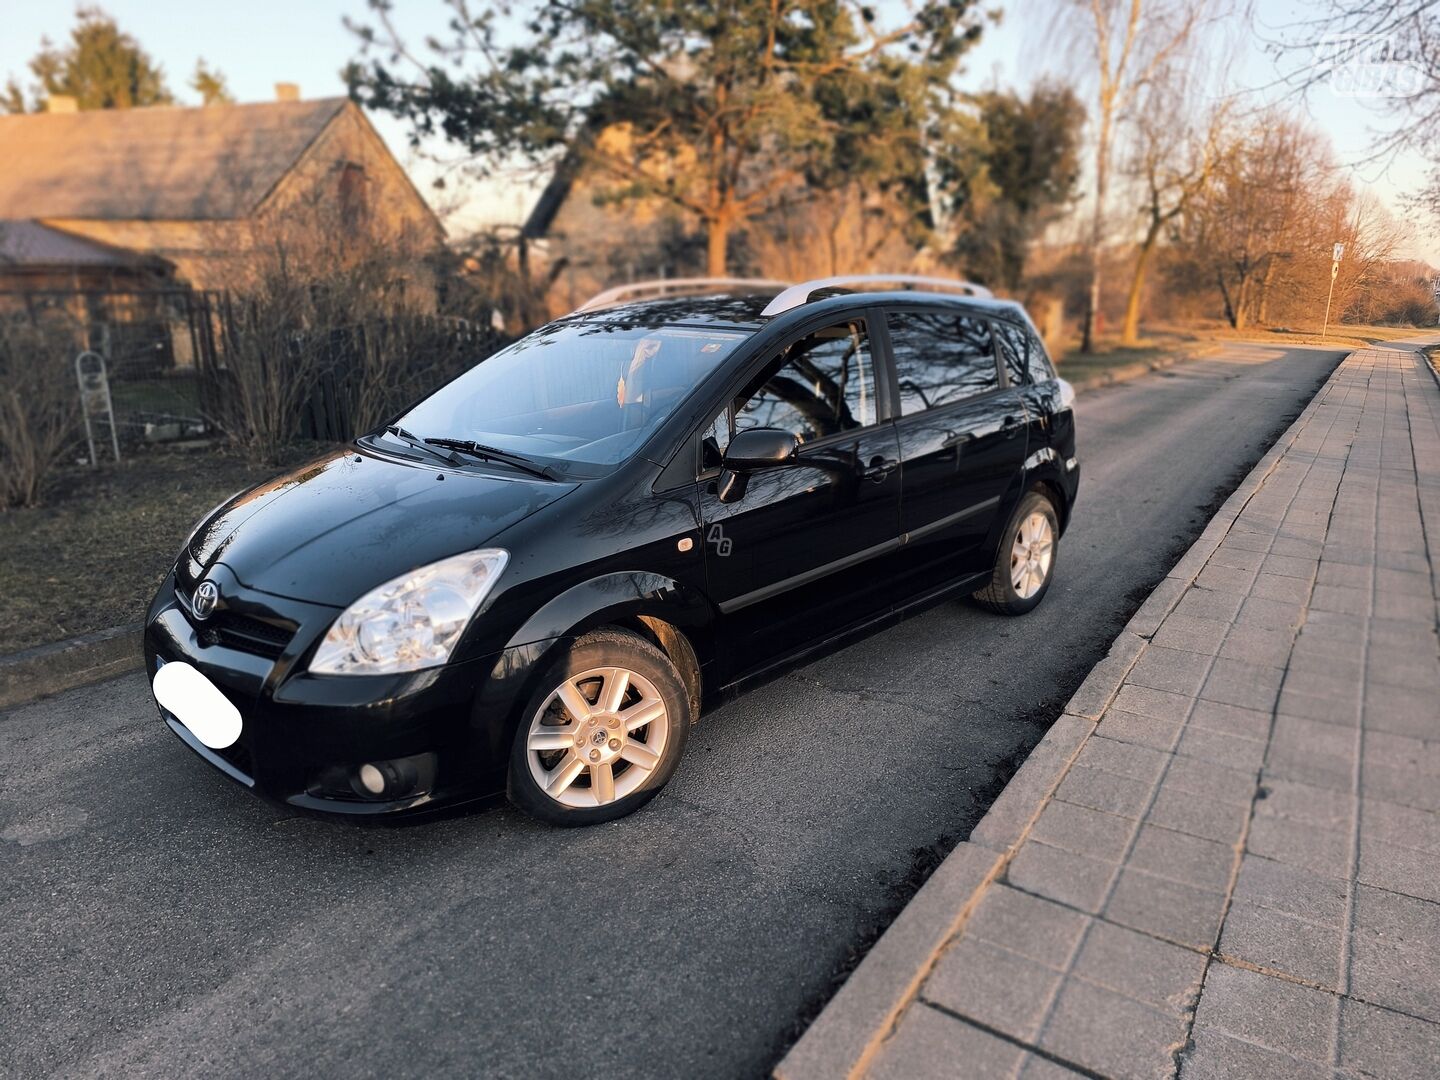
{"points": [[331, 530]]}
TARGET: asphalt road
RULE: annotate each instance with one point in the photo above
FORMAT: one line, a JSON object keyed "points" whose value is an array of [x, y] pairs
{"points": [[155, 919]]}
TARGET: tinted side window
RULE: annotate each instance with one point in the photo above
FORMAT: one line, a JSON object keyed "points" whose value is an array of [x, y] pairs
{"points": [[940, 357], [1015, 348], [821, 385], [1041, 366]]}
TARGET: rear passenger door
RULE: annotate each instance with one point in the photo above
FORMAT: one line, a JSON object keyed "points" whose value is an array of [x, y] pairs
{"points": [[962, 437]]}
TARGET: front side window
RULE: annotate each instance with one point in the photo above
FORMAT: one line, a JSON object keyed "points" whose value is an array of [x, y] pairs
{"points": [[941, 357], [580, 396], [820, 385]]}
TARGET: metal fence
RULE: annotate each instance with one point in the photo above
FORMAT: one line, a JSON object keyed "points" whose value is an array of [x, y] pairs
{"points": [[168, 357]]}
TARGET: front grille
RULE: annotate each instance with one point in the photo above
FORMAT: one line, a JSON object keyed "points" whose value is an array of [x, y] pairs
{"points": [[246, 634]]}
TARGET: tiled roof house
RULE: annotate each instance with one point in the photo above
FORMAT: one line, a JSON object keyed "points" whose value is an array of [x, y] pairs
{"points": [[179, 191]]}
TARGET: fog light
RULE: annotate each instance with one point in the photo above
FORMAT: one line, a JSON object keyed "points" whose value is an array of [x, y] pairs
{"points": [[372, 779]]}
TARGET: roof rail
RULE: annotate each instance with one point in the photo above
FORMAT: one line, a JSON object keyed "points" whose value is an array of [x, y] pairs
{"points": [[796, 295], [662, 287]]}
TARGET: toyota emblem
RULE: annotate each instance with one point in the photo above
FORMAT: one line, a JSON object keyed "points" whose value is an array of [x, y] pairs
{"points": [[207, 595]]}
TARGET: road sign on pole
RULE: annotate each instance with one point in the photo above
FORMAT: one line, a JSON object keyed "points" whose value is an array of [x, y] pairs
{"points": [[1334, 273]]}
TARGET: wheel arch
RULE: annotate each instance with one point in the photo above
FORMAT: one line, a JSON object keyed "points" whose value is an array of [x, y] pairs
{"points": [[676, 618]]}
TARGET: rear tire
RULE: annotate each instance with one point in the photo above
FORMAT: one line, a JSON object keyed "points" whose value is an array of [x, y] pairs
{"points": [[603, 733], [1025, 560]]}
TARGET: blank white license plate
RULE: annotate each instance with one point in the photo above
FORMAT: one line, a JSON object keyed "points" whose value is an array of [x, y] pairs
{"points": [[198, 704]]}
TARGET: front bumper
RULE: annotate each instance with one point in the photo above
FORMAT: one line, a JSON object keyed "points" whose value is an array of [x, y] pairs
{"points": [[303, 734]]}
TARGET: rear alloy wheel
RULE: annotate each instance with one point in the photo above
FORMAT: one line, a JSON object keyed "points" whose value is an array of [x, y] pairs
{"points": [[1025, 561], [604, 733]]}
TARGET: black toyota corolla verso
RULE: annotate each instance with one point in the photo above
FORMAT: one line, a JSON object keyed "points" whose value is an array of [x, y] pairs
{"points": [[532, 581]]}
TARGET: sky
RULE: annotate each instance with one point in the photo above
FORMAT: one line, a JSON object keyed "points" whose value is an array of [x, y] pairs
{"points": [[258, 43]]}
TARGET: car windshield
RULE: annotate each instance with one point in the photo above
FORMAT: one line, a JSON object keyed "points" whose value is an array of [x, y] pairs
{"points": [[577, 396]]}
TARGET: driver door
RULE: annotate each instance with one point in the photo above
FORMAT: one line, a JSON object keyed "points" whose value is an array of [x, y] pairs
{"points": [[802, 553]]}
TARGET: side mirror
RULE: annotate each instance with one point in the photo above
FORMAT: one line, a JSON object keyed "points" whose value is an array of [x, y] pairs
{"points": [[760, 448], [750, 451]]}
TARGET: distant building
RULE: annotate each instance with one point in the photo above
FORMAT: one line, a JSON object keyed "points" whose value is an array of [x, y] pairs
{"points": [[138, 198]]}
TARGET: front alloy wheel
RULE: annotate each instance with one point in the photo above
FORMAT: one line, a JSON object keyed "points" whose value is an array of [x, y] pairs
{"points": [[597, 737], [603, 734]]}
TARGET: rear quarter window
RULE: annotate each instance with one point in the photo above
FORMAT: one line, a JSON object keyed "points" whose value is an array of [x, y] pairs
{"points": [[1025, 357], [941, 356]]}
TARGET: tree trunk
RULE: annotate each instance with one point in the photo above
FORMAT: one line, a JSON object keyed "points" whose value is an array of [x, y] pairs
{"points": [[1131, 332], [1097, 231], [717, 247]]}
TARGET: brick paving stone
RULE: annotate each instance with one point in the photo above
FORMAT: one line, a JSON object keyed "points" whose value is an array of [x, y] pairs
{"points": [[1070, 878], [1202, 863], [1173, 670], [1197, 815], [1271, 1012], [1277, 587], [1140, 730], [1275, 941], [928, 1043], [1156, 704], [1399, 869], [1258, 645], [1313, 752], [1210, 780], [1044, 931], [1276, 614], [1155, 972], [1231, 720], [1395, 952], [1123, 759], [1230, 750], [1324, 807], [1292, 890], [1214, 1055], [1167, 909], [1108, 791], [1112, 1034], [1191, 633], [1000, 989], [1378, 1042], [1236, 682], [1083, 830], [1321, 851], [1209, 604], [1406, 826]]}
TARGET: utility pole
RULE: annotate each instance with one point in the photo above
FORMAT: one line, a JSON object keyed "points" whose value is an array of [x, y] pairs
{"points": [[1334, 272]]}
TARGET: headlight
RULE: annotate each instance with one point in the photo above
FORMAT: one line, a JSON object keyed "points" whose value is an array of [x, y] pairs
{"points": [[412, 622]]}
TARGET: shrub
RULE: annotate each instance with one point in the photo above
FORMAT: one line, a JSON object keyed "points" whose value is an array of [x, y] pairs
{"points": [[39, 403]]}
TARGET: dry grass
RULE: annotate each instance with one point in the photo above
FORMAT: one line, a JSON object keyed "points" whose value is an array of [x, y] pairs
{"points": [[92, 556]]}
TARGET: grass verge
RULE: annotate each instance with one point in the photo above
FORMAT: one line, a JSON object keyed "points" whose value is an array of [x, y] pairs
{"points": [[92, 556]]}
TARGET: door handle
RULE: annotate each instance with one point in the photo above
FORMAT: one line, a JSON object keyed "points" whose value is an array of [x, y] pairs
{"points": [[1012, 424], [879, 469]]}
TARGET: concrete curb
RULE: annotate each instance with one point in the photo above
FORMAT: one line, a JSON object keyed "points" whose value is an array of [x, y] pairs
{"points": [[848, 1033], [64, 665]]}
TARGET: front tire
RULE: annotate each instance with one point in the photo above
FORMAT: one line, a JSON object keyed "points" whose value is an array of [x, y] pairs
{"points": [[602, 735], [1025, 561]]}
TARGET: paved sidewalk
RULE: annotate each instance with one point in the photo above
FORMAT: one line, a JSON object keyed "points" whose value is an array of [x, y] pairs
{"points": [[1224, 859]]}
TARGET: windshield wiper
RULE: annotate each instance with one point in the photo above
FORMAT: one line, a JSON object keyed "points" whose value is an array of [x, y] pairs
{"points": [[421, 444], [494, 453]]}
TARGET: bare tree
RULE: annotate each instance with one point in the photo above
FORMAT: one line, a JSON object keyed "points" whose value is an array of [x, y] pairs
{"points": [[1173, 161], [1131, 42]]}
